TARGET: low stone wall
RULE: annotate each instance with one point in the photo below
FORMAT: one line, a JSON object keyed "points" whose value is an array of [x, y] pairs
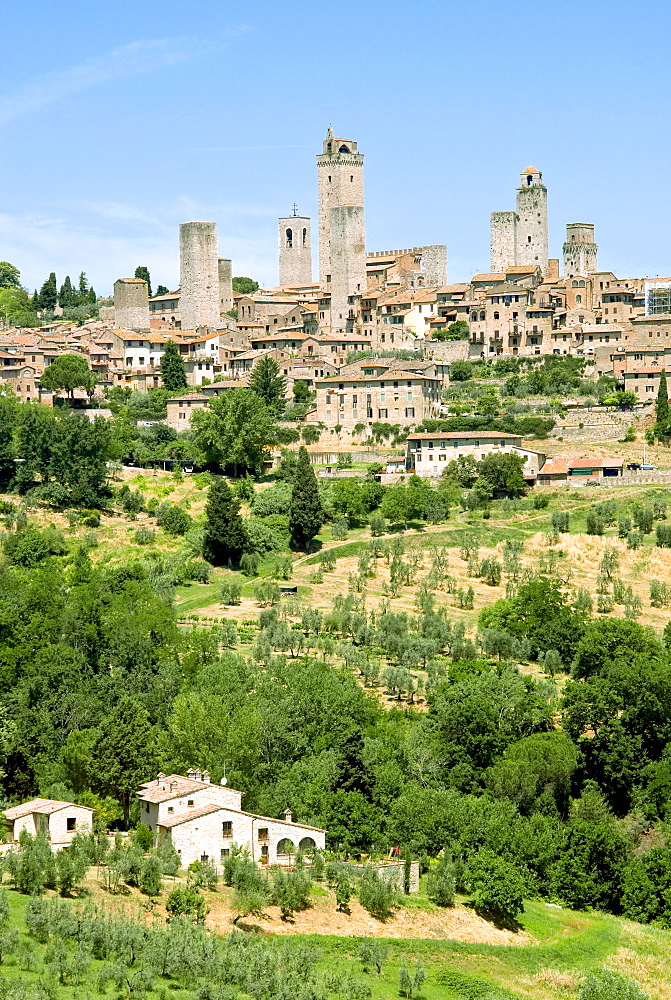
{"points": [[392, 870]]}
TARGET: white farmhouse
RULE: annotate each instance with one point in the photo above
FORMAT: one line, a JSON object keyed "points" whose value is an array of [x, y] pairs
{"points": [[203, 819], [429, 454], [58, 821]]}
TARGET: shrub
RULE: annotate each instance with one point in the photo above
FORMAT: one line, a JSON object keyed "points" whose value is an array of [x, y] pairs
{"points": [[229, 635], [606, 985], [441, 882], [144, 536], [91, 518], [291, 891], [267, 593], [173, 519], [249, 564], [263, 536], [540, 501], [339, 529], [663, 533], [186, 902], [142, 837], [595, 524], [560, 521], [496, 885], [275, 500], [377, 524]]}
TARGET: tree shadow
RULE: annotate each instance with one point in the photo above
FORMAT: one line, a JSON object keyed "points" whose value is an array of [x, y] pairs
{"points": [[502, 922]]}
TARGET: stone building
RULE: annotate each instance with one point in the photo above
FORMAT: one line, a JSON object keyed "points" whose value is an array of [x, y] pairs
{"points": [[59, 821], [580, 250], [199, 302], [181, 408], [295, 250], [429, 454], [342, 237], [378, 391], [521, 237], [225, 267], [131, 304], [204, 819]]}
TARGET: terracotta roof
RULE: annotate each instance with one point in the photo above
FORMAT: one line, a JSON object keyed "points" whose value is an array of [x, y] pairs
{"points": [[186, 395], [462, 435], [494, 276], [522, 269], [530, 170], [171, 786], [191, 814], [44, 806], [646, 370]]}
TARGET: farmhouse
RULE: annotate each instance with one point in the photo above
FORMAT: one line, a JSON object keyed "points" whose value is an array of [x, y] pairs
{"points": [[428, 454], [58, 821], [204, 819]]}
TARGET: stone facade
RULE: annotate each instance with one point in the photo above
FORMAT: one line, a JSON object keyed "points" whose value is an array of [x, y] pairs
{"points": [[375, 392], [181, 408], [199, 275], [580, 250], [521, 237], [340, 185], [348, 261], [295, 250], [429, 454], [503, 240], [225, 284], [131, 304], [59, 821], [204, 820], [434, 265]]}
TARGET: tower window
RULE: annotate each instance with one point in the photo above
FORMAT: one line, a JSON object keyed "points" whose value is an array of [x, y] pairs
{"points": [[329, 178], [305, 237], [351, 177], [528, 239], [530, 180], [343, 149], [290, 238]]}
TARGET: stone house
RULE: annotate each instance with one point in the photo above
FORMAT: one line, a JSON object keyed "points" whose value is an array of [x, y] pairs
{"points": [[180, 409], [429, 454], [644, 381], [58, 821], [578, 471], [376, 392], [204, 819]]}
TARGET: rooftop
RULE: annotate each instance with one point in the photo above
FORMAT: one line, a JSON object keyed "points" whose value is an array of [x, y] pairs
{"points": [[44, 806], [171, 786]]}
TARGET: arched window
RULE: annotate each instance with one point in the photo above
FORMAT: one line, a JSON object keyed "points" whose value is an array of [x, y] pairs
{"points": [[343, 149], [474, 317], [578, 299], [582, 284], [496, 315], [574, 284], [530, 180], [305, 237], [290, 238], [308, 844], [285, 846]]}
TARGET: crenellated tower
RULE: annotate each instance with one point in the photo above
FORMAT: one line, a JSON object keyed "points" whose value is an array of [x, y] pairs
{"points": [[580, 250]]}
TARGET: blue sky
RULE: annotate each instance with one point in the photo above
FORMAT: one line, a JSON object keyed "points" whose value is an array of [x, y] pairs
{"points": [[119, 121]]}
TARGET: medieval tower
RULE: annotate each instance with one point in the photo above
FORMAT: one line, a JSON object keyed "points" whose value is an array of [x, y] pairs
{"points": [[131, 304], [199, 275], [580, 250], [225, 284], [521, 237], [295, 249], [342, 235]]}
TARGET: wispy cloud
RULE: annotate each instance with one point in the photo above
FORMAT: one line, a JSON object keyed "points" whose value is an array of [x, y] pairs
{"points": [[143, 56]]}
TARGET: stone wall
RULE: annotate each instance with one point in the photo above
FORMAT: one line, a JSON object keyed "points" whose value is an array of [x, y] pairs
{"points": [[199, 275], [532, 209], [348, 260], [295, 250], [131, 304], [503, 240], [225, 267], [392, 870], [434, 265], [447, 350], [598, 425], [340, 184]]}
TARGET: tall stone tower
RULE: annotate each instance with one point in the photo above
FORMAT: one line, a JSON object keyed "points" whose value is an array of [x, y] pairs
{"points": [[532, 224], [295, 248], [342, 233], [225, 284], [503, 241], [131, 304], [199, 275], [580, 250]]}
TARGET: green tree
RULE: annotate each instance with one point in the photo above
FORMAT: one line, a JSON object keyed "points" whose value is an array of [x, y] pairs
{"points": [[67, 296], [460, 371], [245, 286], [496, 885], [10, 276], [268, 384], [441, 882], [662, 404], [142, 272], [172, 368], [224, 534], [504, 474], [125, 754], [235, 430], [69, 372], [48, 295], [306, 514], [16, 307], [459, 330]]}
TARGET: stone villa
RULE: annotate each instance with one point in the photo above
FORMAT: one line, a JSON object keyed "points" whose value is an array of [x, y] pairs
{"points": [[58, 821], [203, 819]]}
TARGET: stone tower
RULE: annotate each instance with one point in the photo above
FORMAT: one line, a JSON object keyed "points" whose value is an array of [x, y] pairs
{"points": [[131, 304], [199, 275], [580, 250], [532, 224], [504, 241], [225, 284], [295, 246], [342, 234]]}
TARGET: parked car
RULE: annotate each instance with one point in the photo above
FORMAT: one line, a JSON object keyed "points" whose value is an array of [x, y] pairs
{"points": [[634, 466], [649, 468]]}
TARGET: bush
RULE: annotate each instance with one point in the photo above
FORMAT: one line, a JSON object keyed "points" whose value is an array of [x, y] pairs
{"points": [[230, 593], [27, 547], [142, 837], [291, 891], [606, 985], [173, 519], [377, 524], [595, 524], [91, 518], [262, 537], [496, 885], [441, 882], [144, 536], [186, 902], [229, 635], [150, 879], [560, 521], [540, 501], [377, 894], [267, 593], [249, 564], [275, 500], [663, 533]]}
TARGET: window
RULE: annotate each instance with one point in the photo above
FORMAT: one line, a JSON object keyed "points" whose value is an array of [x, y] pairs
{"points": [[578, 299], [171, 809], [227, 829], [72, 823], [224, 853], [496, 315], [442, 458], [410, 411], [382, 414], [189, 802], [263, 833]]}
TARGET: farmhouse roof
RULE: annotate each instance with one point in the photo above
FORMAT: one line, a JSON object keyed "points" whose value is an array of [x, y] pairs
{"points": [[171, 787], [44, 806]]}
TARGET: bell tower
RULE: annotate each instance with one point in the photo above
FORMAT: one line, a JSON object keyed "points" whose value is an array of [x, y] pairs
{"points": [[295, 250], [532, 220]]}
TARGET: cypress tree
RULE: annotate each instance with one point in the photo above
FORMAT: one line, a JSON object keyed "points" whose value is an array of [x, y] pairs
{"points": [[172, 368], [49, 293], [306, 514], [224, 536], [662, 405], [143, 272], [267, 382]]}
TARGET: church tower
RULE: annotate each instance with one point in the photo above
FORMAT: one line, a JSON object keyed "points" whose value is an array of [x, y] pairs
{"points": [[580, 250], [532, 220], [295, 247], [342, 234]]}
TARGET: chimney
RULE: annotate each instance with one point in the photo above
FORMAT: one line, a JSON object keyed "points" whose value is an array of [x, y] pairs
{"points": [[206, 777], [191, 773], [287, 816], [159, 777], [197, 775]]}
